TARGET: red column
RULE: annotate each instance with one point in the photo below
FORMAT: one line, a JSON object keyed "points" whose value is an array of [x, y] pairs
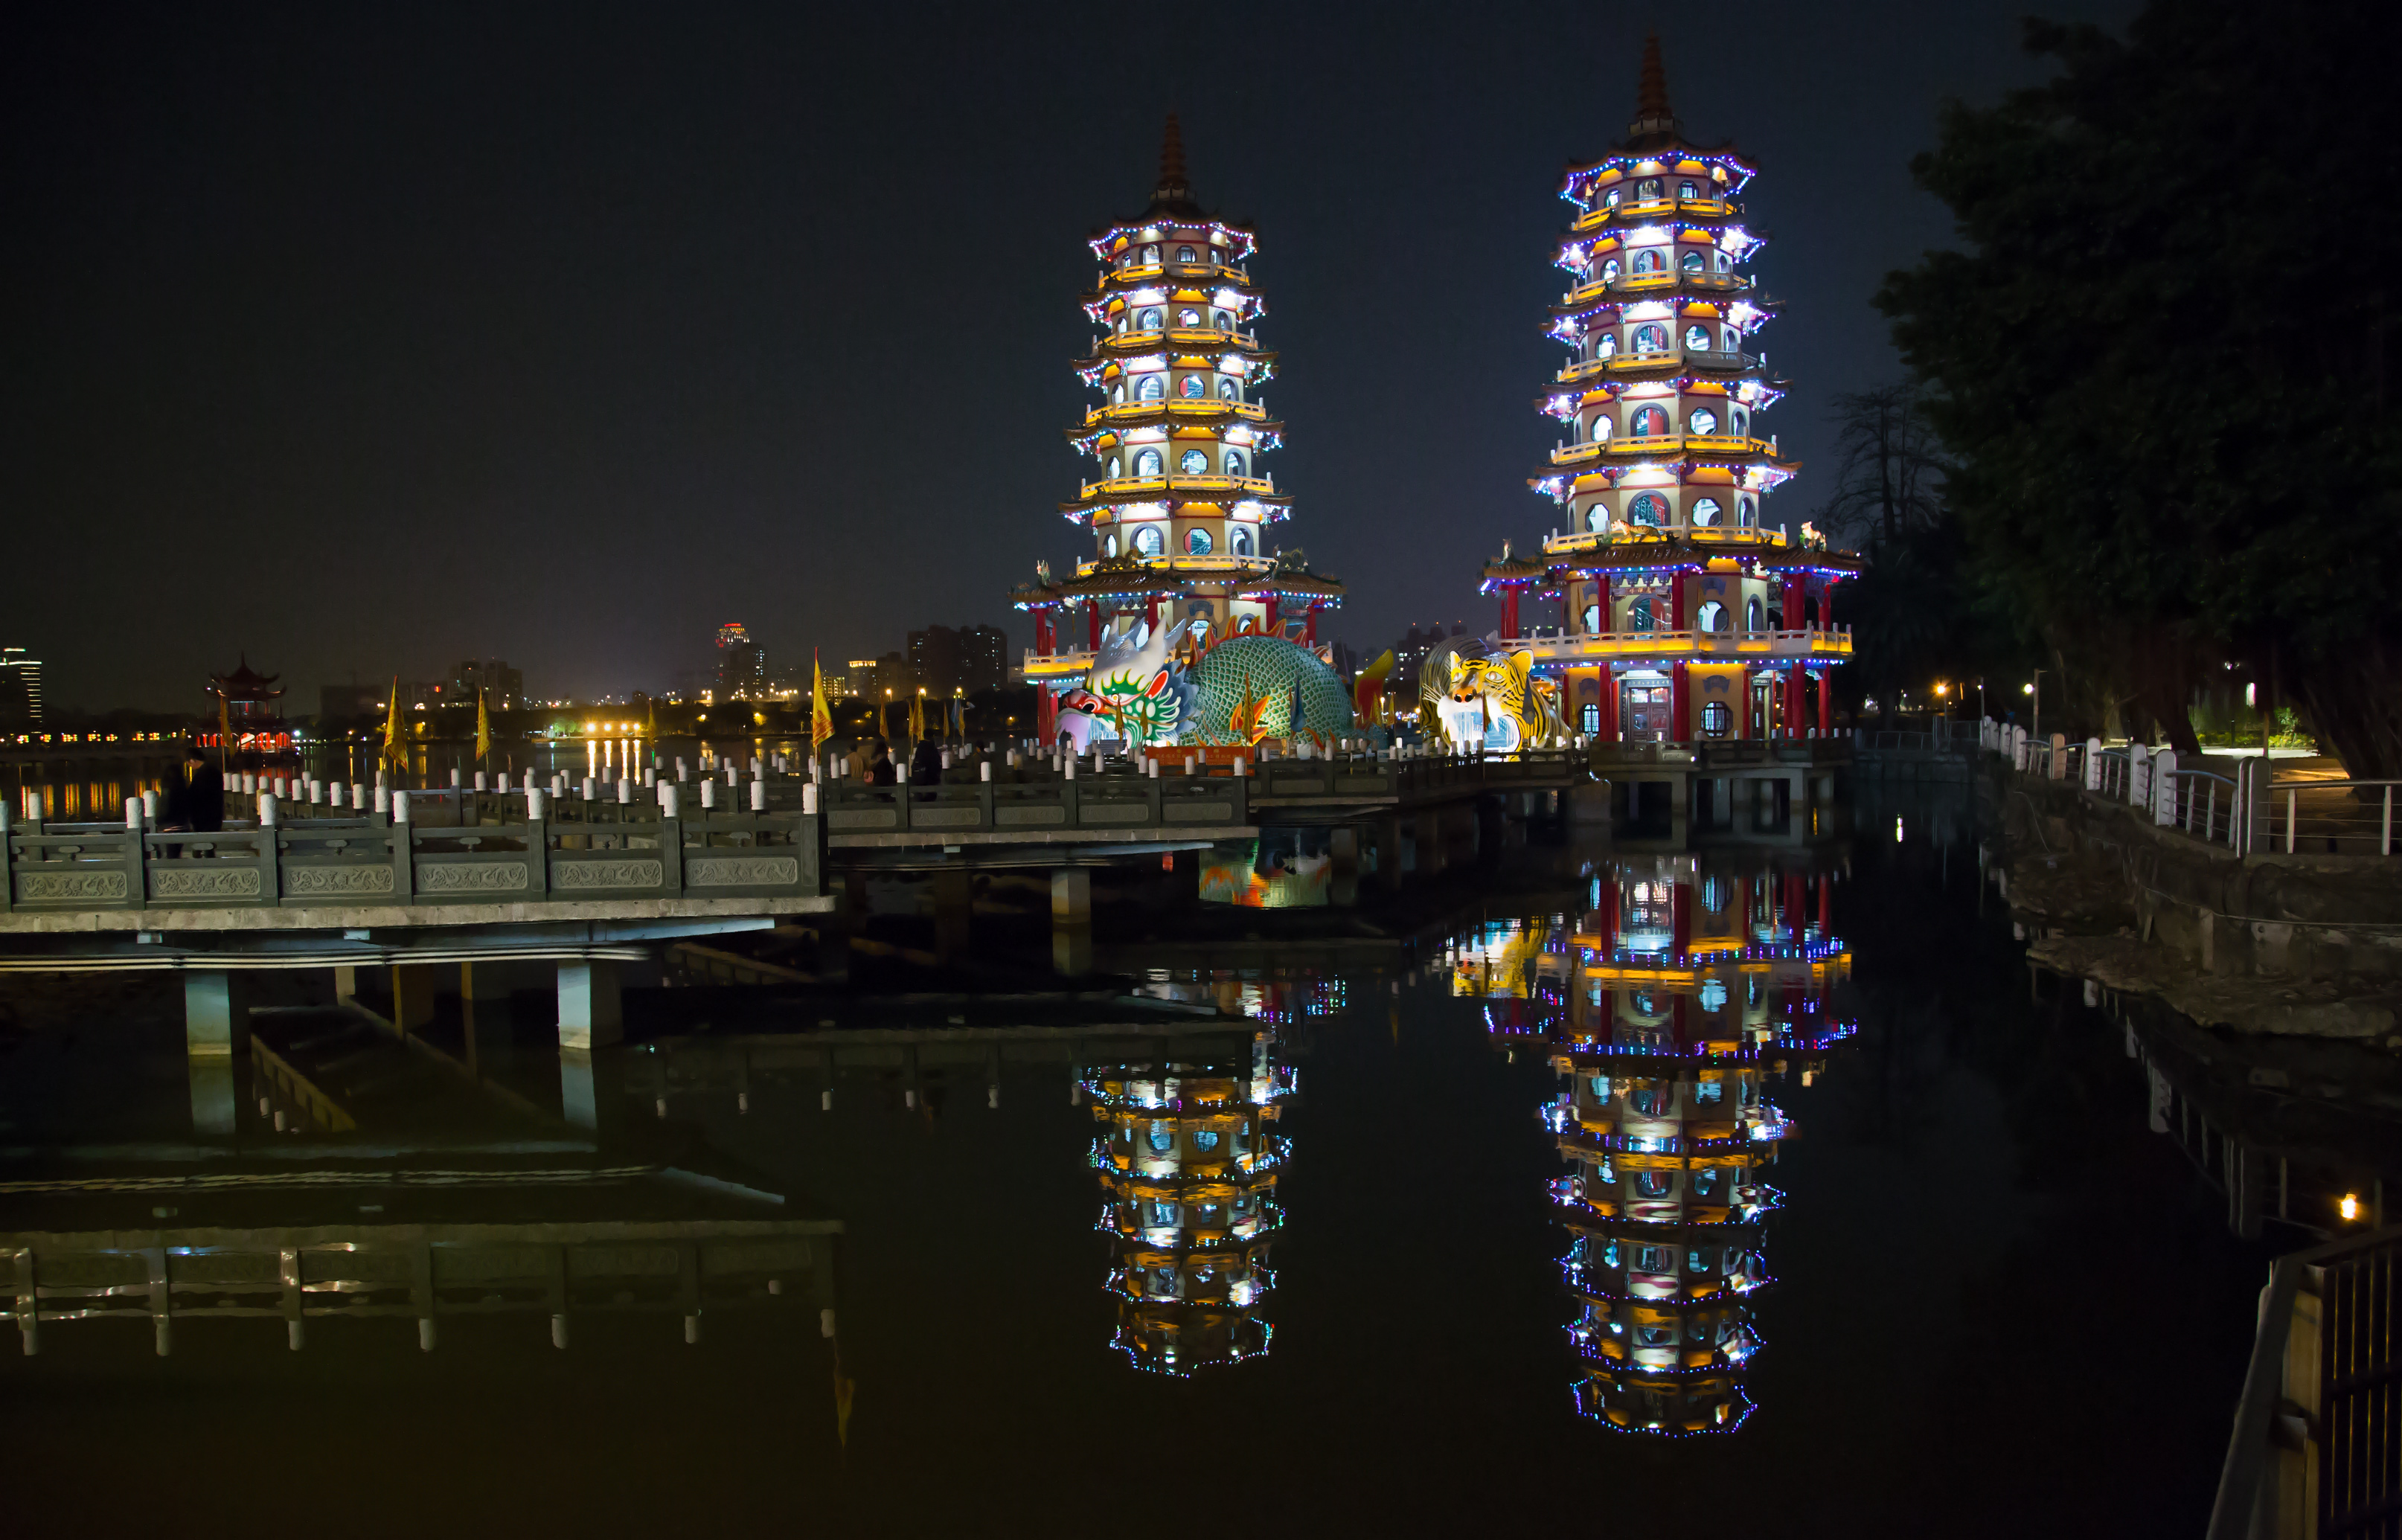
{"points": [[1510, 610], [1680, 916], [1046, 715], [1793, 706], [1093, 623], [1309, 625], [1793, 602], [1826, 904], [1827, 605], [1042, 642], [1607, 916], [1609, 728], [1793, 917], [1826, 693], [1153, 614], [1680, 730]]}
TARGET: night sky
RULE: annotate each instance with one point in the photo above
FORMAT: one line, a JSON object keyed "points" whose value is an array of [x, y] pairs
{"points": [[369, 342]]}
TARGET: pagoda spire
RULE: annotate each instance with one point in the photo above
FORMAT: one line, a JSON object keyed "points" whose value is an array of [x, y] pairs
{"points": [[1173, 186], [1652, 115]]}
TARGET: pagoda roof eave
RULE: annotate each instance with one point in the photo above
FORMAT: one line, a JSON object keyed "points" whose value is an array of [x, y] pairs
{"points": [[1263, 426], [1116, 349], [1646, 555], [1687, 293], [1085, 505]]}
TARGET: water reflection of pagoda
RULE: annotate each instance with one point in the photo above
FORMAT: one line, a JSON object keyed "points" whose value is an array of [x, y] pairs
{"points": [[1189, 1162], [1667, 1010]]}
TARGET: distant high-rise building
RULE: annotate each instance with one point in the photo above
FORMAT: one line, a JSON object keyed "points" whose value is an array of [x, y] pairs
{"points": [[945, 662], [20, 688], [864, 676], [742, 669], [732, 634], [503, 686]]}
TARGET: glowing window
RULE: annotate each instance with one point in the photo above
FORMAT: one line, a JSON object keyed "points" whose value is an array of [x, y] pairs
{"points": [[1706, 1178], [1147, 541], [1714, 997], [1226, 388], [1205, 1138], [1690, 262], [1609, 199], [1592, 723], [1647, 422], [1609, 270], [1711, 616], [1738, 424], [1686, 189], [1147, 463], [1649, 262], [1651, 337], [1163, 1139], [1196, 542], [1752, 614], [1702, 422], [1240, 540], [1186, 254], [1746, 514], [1697, 339], [1655, 1184], [1151, 255], [1596, 518], [1717, 720], [1188, 318], [1114, 472], [1599, 429], [1233, 463], [1707, 511], [1110, 546], [1195, 388], [1648, 509], [1647, 191], [1608, 346], [1648, 1101], [1193, 462], [1639, 616], [1150, 388]]}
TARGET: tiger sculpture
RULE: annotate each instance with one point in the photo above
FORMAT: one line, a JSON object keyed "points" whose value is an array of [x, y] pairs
{"points": [[1464, 685]]}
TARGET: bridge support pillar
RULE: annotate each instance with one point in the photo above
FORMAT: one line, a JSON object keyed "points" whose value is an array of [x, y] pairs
{"points": [[216, 1047], [1343, 847], [1071, 896], [954, 914], [591, 1090], [590, 1014], [412, 996]]}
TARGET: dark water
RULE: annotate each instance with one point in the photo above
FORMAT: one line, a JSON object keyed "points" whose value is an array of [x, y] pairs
{"points": [[2000, 1305]]}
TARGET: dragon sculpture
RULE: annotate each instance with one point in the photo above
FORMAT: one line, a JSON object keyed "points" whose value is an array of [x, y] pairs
{"points": [[1182, 685]]}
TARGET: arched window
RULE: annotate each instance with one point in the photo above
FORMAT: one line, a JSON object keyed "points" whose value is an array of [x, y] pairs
{"points": [[1151, 387], [1686, 189], [1647, 191], [1717, 719], [1241, 541], [1648, 421], [1227, 388], [1598, 428], [1690, 262], [1654, 1184], [1707, 511], [1647, 1101], [1114, 473], [1147, 541], [1609, 199], [1197, 542], [1649, 262], [1233, 463], [1186, 254], [1754, 617], [1148, 321], [1738, 424], [1702, 422], [1204, 1139], [1596, 518], [1719, 260], [1609, 270], [1193, 462], [1146, 464], [1110, 546], [1733, 340], [1697, 339], [1608, 347], [1188, 318], [1704, 1179], [1747, 513], [1639, 616], [1651, 337], [1648, 509], [1163, 1139], [1151, 255], [1591, 618], [1195, 388], [1117, 393], [1163, 1280], [1220, 320], [1712, 616]]}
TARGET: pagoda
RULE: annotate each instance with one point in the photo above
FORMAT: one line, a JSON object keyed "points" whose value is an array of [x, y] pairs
{"points": [[246, 701], [1189, 1162], [1178, 502], [1687, 612], [1695, 988]]}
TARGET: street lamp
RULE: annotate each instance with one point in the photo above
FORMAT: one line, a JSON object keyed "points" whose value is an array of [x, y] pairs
{"points": [[2033, 691]]}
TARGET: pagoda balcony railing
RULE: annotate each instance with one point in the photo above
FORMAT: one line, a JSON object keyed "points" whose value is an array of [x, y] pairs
{"points": [[1654, 208], [1661, 446], [1713, 360], [1140, 272], [1637, 535], [1135, 487], [1210, 568], [1199, 407], [1570, 648], [1652, 282], [1204, 337]]}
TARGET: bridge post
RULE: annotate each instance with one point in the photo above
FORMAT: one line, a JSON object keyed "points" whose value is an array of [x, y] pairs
{"points": [[1071, 920], [954, 913], [216, 1047], [590, 1012]]}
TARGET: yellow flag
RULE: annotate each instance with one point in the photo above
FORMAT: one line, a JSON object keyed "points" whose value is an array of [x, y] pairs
{"points": [[224, 731], [820, 714], [916, 716], [483, 726], [392, 748]]}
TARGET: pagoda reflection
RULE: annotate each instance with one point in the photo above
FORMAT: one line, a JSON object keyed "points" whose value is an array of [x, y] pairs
{"points": [[1189, 1159], [1668, 1009]]}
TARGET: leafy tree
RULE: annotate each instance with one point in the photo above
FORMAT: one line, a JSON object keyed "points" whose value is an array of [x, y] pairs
{"points": [[2160, 364], [1889, 475]]}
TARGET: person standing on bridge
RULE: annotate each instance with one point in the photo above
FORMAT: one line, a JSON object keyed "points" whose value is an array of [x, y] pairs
{"points": [[879, 764], [195, 803]]}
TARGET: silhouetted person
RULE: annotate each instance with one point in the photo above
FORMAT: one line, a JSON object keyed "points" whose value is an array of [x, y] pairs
{"points": [[926, 763], [196, 801]]}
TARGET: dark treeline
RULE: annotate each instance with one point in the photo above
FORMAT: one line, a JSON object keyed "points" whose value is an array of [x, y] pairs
{"points": [[2151, 441]]}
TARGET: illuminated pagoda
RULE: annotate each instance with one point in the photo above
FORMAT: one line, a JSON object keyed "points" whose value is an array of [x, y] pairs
{"points": [[247, 702], [1695, 989], [1178, 504], [1188, 1164], [1684, 614]]}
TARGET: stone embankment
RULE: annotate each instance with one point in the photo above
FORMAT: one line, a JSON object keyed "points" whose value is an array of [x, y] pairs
{"points": [[2294, 946]]}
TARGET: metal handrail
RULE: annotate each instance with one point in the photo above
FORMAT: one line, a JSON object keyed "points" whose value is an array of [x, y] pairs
{"points": [[2285, 1441]]}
